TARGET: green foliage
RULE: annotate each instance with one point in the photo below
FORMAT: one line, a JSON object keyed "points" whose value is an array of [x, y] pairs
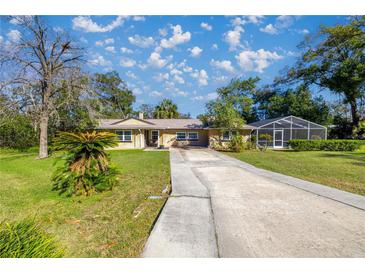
{"points": [[328, 145], [16, 131], [335, 59], [239, 94], [86, 169], [25, 239], [237, 144], [166, 109], [298, 102], [267, 138], [115, 97]]}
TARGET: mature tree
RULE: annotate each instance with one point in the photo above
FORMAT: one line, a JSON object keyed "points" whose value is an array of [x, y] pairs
{"points": [[166, 109], [335, 60], [239, 94], [298, 102], [147, 110], [35, 62], [115, 97], [221, 114]]}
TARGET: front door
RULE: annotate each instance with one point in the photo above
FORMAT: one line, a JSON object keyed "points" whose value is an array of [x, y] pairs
{"points": [[154, 137], [278, 138]]}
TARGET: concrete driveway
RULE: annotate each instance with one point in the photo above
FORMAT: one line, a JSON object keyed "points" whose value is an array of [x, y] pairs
{"points": [[222, 207]]}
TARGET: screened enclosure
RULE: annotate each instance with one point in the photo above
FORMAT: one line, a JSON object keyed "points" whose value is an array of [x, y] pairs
{"points": [[277, 132]]}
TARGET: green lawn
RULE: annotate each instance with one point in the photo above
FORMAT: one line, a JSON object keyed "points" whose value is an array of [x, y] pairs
{"points": [[111, 224], [342, 170]]}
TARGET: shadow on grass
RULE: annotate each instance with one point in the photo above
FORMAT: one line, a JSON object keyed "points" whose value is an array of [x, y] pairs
{"points": [[359, 158]]}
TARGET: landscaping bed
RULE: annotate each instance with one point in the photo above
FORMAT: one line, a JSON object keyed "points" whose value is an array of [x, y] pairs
{"points": [[110, 224]]}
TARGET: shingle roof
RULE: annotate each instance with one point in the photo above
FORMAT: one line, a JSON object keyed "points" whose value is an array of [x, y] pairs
{"points": [[177, 123]]}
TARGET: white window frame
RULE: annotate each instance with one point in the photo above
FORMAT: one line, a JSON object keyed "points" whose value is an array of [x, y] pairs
{"points": [[229, 134], [197, 136], [121, 135], [181, 132]]}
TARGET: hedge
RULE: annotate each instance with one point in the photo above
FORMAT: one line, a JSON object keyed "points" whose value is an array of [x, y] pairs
{"points": [[328, 145]]}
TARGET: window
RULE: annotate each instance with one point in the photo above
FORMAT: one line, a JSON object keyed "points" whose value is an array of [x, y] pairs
{"points": [[124, 135], [154, 135], [180, 135], [227, 135], [193, 136]]}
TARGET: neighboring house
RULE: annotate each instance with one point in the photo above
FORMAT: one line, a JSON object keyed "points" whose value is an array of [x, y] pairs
{"points": [[141, 133]]}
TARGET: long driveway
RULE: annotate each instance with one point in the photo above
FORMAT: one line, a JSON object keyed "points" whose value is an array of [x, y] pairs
{"points": [[222, 207]]}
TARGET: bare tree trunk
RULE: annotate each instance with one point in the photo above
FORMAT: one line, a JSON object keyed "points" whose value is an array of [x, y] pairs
{"points": [[355, 116], [43, 136]]}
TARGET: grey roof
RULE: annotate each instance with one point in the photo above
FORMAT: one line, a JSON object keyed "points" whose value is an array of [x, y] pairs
{"points": [[152, 124]]}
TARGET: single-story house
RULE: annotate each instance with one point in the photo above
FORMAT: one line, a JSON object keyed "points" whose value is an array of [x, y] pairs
{"points": [[141, 133]]}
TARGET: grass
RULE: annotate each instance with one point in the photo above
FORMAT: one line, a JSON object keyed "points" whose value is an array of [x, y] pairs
{"points": [[110, 224], [342, 170]]}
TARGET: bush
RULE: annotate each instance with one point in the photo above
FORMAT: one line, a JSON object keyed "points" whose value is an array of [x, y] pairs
{"points": [[25, 239], [236, 144], [328, 145], [86, 169]]}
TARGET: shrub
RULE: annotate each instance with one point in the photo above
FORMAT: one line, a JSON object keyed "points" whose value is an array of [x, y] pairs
{"points": [[236, 144], [267, 138], [328, 145], [25, 239], [86, 169]]}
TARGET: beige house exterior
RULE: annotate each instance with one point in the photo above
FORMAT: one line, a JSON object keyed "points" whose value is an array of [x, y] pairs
{"points": [[139, 133]]}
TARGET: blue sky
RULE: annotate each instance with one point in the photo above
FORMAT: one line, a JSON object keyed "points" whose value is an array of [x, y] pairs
{"points": [[186, 58]]}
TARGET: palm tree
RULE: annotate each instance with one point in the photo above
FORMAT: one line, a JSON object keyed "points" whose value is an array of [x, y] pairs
{"points": [[166, 109], [87, 168]]}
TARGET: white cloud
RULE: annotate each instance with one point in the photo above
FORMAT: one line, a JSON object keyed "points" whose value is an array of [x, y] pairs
{"points": [[14, 35], [222, 65], [178, 37], [162, 32], [220, 78], [156, 93], [256, 60], [138, 18], [270, 29], [126, 50], [195, 51], [127, 62], [233, 37], [176, 76], [206, 26], [207, 97], [1, 39], [137, 91], [155, 60], [302, 31], [130, 74], [110, 49], [201, 76], [99, 60], [58, 29], [284, 21], [161, 77], [214, 46], [86, 24], [254, 19], [141, 41]]}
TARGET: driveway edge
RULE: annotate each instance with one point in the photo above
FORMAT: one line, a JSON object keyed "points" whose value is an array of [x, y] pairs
{"points": [[341, 196]]}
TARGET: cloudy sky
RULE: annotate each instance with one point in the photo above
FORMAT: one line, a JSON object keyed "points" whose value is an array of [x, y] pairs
{"points": [[185, 58]]}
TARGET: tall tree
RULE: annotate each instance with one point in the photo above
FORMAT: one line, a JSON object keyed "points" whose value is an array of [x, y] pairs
{"points": [[166, 109], [335, 59], [239, 94], [36, 60], [147, 110], [115, 97], [298, 102]]}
